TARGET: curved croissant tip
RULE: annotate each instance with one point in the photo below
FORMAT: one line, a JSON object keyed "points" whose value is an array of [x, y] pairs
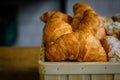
{"points": [[41, 17], [46, 16]]}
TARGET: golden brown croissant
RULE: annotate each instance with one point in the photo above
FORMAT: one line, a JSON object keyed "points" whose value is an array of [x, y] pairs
{"points": [[86, 17], [79, 46], [56, 26], [78, 9], [82, 44], [65, 47], [55, 29], [90, 48]]}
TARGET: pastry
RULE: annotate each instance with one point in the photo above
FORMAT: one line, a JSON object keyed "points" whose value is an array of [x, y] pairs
{"points": [[113, 46], [78, 40], [86, 17], [56, 25]]}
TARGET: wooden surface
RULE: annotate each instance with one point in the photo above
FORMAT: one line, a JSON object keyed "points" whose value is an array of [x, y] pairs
{"points": [[19, 63]]}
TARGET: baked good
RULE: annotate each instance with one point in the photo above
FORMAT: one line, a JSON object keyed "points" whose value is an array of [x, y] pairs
{"points": [[65, 47], [112, 29], [77, 46], [55, 29], [78, 9], [113, 46], [90, 48], [56, 26], [86, 17], [79, 41]]}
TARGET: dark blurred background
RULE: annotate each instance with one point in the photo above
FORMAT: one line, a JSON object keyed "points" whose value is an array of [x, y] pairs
{"points": [[19, 19]]}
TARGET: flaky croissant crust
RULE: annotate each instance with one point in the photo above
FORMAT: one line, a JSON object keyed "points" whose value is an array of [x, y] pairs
{"points": [[76, 38]]}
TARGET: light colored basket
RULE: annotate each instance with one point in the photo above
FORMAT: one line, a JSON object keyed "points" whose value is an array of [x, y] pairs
{"points": [[77, 70]]}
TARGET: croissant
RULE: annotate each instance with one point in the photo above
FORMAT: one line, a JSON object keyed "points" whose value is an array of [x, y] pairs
{"points": [[56, 26], [79, 41], [90, 47], [54, 30], [78, 46], [65, 47], [86, 17], [78, 9]]}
